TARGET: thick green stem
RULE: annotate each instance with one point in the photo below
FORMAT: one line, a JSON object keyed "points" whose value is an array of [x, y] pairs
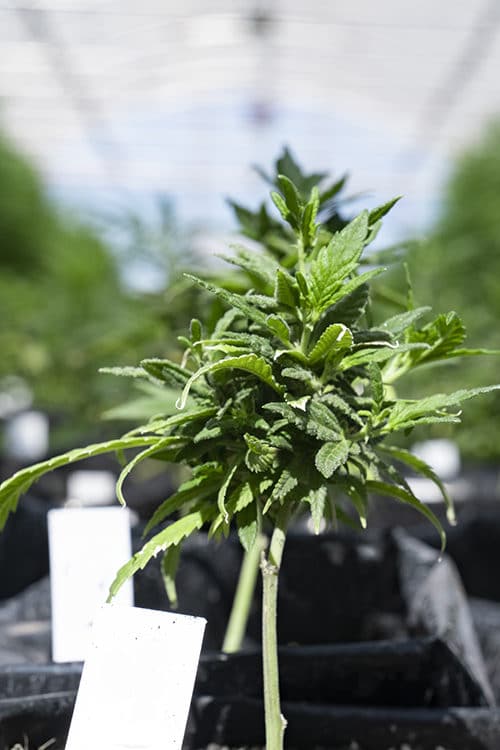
{"points": [[270, 566], [238, 618]]}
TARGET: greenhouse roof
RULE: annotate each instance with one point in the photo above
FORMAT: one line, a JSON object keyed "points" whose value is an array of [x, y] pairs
{"points": [[155, 96]]}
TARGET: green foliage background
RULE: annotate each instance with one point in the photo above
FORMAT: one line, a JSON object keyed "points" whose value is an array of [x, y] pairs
{"points": [[458, 268], [63, 308]]}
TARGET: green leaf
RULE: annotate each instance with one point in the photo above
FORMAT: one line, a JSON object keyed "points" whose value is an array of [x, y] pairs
{"points": [[257, 263], [221, 495], [232, 300], [407, 413], [317, 500], [330, 456], [350, 308], [171, 535], [377, 386], [277, 325], [291, 196], [379, 212], [331, 191], [285, 483], [335, 262], [280, 204], [247, 522], [370, 354], [195, 489], [400, 323], [298, 373], [160, 445], [285, 289], [18, 484], [339, 404], [383, 488], [169, 565], [336, 337], [321, 422], [421, 467], [356, 491], [309, 218], [249, 362], [166, 371], [260, 455]]}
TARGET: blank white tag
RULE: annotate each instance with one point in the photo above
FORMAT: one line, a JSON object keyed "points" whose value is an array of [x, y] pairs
{"points": [[91, 487], [137, 681], [87, 547]]}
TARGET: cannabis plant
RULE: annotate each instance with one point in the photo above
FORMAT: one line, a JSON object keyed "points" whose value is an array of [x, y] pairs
{"points": [[286, 406]]}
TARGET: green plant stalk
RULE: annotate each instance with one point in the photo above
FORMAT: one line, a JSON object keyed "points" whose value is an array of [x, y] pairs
{"points": [[270, 567], [238, 618]]}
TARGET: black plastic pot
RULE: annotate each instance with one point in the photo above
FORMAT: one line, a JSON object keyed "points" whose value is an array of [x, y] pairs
{"points": [[378, 695], [426, 688]]}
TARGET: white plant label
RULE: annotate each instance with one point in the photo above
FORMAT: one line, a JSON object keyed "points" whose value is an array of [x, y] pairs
{"points": [[87, 546], [137, 680], [90, 487]]}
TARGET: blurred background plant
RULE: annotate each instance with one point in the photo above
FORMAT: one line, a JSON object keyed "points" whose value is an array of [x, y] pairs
{"points": [[458, 267], [65, 306]]}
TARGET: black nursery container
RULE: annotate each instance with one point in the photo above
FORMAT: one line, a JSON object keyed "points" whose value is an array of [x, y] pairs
{"points": [[384, 653]]}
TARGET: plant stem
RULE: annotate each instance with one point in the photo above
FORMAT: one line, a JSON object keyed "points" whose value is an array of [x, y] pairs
{"points": [[238, 618], [270, 566]]}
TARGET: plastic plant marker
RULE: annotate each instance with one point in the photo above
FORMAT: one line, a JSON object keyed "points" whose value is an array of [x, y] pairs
{"points": [[137, 680], [27, 436], [86, 547], [86, 487]]}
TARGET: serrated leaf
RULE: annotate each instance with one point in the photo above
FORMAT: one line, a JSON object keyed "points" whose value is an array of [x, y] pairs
{"points": [[238, 301], [247, 522], [331, 191], [400, 323], [291, 196], [443, 335], [376, 385], [378, 213], [248, 362], [330, 456], [278, 326], [341, 405], [285, 291], [257, 263], [404, 412], [357, 494], [161, 445], [309, 218], [336, 338], [171, 535], [285, 483], [335, 262], [384, 488], [126, 372], [260, 455], [221, 495], [370, 354], [280, 204], [196, 489], [297, 373], [321, 422], [20, 482], [421, 467], [169, 565], [350, 308], [317, 500]]}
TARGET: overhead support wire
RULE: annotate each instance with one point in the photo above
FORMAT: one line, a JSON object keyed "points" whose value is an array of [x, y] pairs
{"points": [[450, 90], [38, 22]]}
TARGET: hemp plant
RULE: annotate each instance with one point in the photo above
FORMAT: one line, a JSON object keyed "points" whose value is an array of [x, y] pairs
{"points": [[286, 406]]}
